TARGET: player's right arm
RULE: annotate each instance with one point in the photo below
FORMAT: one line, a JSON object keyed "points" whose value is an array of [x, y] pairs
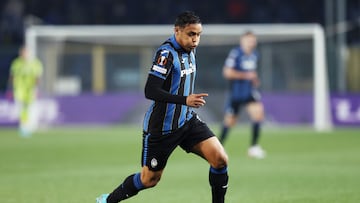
{"points": [[10, 83], [161, 69], [154, 91], [230, 73]]}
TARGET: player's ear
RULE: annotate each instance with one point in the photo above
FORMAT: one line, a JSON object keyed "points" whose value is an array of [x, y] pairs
{"points": [[176, 29]]}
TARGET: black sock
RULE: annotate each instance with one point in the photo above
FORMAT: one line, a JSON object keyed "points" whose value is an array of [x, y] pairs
{"points": [[255, 133], [130, 187], [224, 134], [218, 179]]}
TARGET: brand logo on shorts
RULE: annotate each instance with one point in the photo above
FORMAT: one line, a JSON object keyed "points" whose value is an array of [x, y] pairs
{"points": [[198, 117], [154, 163]]}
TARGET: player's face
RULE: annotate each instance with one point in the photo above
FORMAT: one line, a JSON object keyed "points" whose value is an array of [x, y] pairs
{"points": [[189, 36], [23, 52], [248, 43]]}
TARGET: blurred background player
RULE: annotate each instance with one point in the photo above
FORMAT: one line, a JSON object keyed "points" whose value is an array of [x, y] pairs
{"points": [[25, 72], [240, 70]]}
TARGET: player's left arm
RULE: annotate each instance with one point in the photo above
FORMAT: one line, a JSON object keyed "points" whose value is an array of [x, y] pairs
{"points": [[9, 94]]}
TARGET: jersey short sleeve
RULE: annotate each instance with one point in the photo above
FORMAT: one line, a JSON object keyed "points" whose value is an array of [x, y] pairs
{"points": [[231, 59], [162, 63]]}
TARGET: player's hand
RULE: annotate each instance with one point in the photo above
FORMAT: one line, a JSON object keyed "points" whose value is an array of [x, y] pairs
{"points": [[196, 100], [251, 75], [256, 82]]}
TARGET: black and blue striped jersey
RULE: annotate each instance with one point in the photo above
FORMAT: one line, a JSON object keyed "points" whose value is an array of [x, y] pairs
{"points": [[177, 68], [238, 60]]}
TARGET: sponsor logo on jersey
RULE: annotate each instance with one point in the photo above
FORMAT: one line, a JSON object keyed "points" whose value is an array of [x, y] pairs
{"points": [[188, 71], [249, 64]]}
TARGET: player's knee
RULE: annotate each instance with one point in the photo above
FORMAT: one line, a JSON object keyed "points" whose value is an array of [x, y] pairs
{"points": [[221, 161], [230, 121], [258, 117]]}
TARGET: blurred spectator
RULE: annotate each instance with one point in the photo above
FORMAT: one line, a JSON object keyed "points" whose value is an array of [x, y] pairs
{"points": [[55, 13], [237, 10], [11, 22], [73, 12], [119, 11]]}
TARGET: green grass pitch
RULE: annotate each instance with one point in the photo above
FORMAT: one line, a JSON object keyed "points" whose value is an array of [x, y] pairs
{"points": [[72, 165]]}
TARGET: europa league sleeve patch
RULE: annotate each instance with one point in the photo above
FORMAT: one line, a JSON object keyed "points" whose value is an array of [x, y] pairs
{"points": [[162, 63], [162, 58]]}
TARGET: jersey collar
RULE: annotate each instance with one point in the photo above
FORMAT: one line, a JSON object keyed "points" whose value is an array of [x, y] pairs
{"points": [[176, 44]]}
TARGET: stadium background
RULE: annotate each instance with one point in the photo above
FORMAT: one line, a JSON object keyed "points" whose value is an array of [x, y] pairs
{"points": [[71, 164], [291, 83]]}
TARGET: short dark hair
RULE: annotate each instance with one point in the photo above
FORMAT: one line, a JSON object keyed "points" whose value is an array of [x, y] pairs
{"points": [[247, 33], [186, 18]]}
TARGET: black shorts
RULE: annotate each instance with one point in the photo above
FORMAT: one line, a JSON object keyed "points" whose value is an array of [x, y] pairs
{"points": [[157, 148], [233, 106]]}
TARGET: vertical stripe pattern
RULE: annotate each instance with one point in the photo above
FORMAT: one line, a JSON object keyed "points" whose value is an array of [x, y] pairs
{"points": [[164, 118]]}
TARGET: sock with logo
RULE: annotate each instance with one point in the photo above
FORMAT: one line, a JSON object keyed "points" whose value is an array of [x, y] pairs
{"points": [[130, 187], [218, 179]]}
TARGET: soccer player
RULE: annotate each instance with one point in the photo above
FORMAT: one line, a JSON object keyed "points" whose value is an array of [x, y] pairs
{"points": [[25, 72], [171, 120], [240, 70]]}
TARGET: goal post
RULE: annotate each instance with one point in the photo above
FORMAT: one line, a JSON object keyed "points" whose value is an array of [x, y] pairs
{"points": [[213, 35]]}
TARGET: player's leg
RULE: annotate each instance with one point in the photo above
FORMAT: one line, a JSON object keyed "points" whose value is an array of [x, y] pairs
{"points": [[212, 150], [155, 153], [23, 103], [230, 119], [202, 141], [135, 183], [256, 113], [24, 115], [33, 111]]}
